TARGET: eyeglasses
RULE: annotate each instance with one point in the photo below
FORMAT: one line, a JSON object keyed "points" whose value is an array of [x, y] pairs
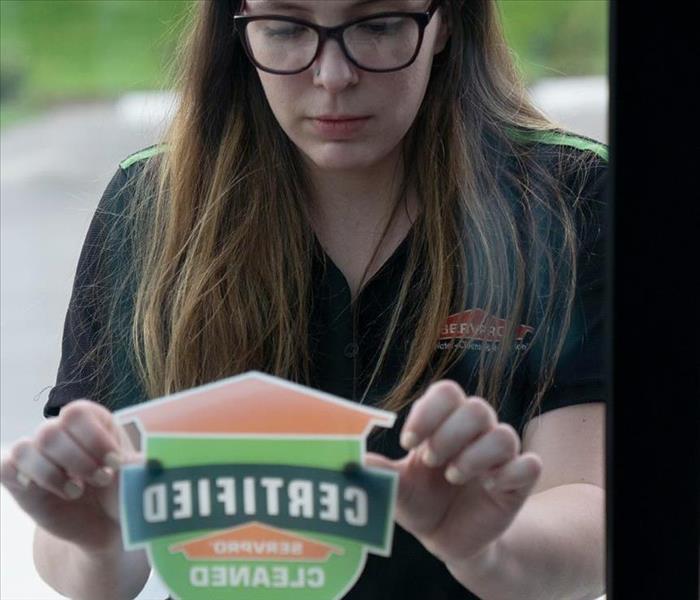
{"points": [[380, 43]]}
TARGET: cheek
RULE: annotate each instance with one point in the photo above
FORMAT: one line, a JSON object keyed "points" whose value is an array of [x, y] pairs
{"points": [[405, 95], [280, 92]]}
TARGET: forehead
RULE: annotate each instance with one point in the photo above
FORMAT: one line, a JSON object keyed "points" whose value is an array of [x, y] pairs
{"points": [[336, 6]]}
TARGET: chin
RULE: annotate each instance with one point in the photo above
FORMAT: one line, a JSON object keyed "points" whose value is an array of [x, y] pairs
{"points": [[342, 156]]}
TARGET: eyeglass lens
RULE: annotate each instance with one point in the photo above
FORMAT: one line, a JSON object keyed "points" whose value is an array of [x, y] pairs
{"points": [[382, 43]]}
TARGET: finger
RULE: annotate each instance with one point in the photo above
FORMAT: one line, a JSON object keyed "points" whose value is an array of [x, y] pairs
{"points": [[96, 434], [44, 473], [519, 475], [468, 422], [11, 477], [65, 452], [429, 411], [98, 412], [490, 451], [30, 497]]}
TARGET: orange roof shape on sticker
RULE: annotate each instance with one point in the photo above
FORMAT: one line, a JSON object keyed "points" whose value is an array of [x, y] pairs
{"points": [[256, 541], [255, 403]]}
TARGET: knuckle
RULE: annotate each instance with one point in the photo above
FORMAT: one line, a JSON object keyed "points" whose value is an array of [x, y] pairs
{"points": [[510, 428], [48, 437], [462, 417], [73, 416], [449, 388], [491, 411], [83, 425], [507, 437], [533, 460], [76, 409], [480, 410], [452, 386], [462, 414], [463, 423]]}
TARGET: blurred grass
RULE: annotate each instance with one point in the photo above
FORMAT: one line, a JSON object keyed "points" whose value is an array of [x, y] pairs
{"points": [[59, 50], [55, 51], [555, 38]]}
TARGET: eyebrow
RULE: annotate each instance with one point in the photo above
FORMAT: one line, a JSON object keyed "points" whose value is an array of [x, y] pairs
{"points": [[282, 5]]}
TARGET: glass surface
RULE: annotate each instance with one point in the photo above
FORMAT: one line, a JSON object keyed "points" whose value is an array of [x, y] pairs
{"points": [[82, 85]]}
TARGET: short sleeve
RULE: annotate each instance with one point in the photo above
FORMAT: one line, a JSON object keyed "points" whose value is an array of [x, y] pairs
{"points": [[77, 370], [580, 373]]}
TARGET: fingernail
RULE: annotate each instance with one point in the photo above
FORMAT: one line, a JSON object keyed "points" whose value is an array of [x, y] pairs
{"points": [[113, 460], [430, 458], [23, 479], [102, 477], [72, 490], [454, 475], [408, 440], [489, 483]]}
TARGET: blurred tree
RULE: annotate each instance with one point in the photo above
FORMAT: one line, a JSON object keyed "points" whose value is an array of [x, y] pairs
{"points": [[553, 38], [83, 49], [80, 49]]}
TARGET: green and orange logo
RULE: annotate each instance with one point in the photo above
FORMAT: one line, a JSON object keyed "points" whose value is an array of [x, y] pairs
{"points": [[247, 493]]}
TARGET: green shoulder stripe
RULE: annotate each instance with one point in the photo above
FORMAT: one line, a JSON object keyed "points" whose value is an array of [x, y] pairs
{"points": [[142, 155], [560, 139]]}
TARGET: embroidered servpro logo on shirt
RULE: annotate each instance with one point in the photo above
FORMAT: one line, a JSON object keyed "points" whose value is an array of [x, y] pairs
{"points": [[247, 494], [470, 329]]}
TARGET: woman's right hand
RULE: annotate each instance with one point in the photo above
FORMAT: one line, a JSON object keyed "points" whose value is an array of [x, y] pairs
{"points": [[64, 476]]}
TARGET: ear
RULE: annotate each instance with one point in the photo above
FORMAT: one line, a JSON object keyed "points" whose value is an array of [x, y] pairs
{"points": [[443, 33]]}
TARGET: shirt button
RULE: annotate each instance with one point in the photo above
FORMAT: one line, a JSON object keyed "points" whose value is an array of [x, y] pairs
{"points": [[351, 350]]}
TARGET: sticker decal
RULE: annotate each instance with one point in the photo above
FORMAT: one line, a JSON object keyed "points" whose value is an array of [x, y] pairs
{"points": [[255, 486]]}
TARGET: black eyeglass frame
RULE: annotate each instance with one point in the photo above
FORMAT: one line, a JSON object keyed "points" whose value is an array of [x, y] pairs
{"points": [[336, 33]]}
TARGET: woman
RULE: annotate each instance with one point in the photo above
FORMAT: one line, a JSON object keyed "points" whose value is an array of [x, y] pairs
{"points": [[366, 203]]}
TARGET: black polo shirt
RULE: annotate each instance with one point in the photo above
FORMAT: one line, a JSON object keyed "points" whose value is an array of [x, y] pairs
{"points": [[346, 340]]}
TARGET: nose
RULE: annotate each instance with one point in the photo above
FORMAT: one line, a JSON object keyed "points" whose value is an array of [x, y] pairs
{"points": [[332, 69]]}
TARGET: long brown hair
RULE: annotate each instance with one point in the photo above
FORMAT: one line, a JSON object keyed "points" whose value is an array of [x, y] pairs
{"points": [[221, 246]]}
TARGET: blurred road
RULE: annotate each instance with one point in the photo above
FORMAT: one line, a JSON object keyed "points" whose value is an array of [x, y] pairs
{"points": [[52, 173]]}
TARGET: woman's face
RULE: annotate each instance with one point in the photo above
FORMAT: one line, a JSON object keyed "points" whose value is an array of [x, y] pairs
{"points": [[333, 87]]}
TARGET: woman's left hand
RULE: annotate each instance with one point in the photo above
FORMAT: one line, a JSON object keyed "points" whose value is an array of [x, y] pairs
{"points": [[464, 481]]}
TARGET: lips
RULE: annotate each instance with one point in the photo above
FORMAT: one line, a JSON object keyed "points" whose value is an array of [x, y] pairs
{"points": [[339, 117], [339, 126]]}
